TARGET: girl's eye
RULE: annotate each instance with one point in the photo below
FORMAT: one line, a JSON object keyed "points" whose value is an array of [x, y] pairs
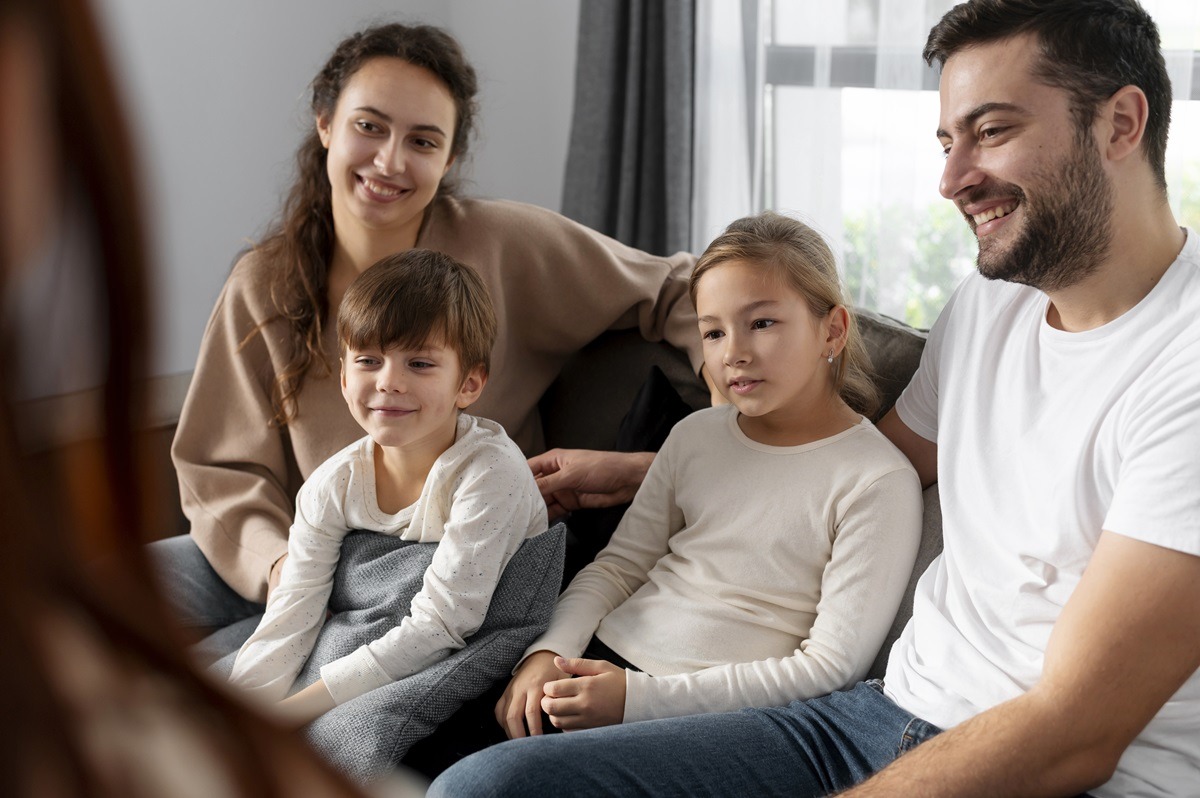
{"points": [[761, 324], [712, 335]]}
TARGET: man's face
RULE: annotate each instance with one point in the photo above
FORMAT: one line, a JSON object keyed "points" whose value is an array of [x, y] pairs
{"points": [[1031, 186]]}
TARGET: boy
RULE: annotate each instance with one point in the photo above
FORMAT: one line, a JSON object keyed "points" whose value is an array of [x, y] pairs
{"points": [[415, 333]]}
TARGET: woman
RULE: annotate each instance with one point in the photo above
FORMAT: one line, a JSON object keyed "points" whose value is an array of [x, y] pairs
{"points": [[98, 695], [393, 112]]}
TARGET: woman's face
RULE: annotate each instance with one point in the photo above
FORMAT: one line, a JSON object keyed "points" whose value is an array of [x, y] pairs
{"points": [[389, 142]]}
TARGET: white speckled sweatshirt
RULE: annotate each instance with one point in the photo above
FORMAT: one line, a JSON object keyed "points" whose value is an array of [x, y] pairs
{"points": [[479, 503]]}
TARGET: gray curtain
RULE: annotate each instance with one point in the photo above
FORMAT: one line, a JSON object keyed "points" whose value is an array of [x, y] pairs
{"points": [[629, 165]]}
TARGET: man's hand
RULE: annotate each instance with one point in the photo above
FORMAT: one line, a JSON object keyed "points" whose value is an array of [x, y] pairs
{"points": [[571, 479], [595, 697], [520, 707]]}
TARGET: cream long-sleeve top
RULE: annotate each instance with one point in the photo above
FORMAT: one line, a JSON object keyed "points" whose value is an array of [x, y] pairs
{"points": [[556, 286], [479, 503], [745, 574]]}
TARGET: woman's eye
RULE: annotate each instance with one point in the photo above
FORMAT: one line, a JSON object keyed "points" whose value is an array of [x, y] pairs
{"points": [[761, 324], [367, 127], [425, 144]]}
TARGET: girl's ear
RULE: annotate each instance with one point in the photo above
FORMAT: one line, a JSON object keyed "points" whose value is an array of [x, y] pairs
{"points": [[472, 386], [837, 328]]}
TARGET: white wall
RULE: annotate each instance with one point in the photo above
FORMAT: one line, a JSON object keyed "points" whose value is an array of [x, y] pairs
{"points": [[216, 95]]}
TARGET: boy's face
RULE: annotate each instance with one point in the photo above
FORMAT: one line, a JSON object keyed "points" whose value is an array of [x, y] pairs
{"points": [[408, 398]]}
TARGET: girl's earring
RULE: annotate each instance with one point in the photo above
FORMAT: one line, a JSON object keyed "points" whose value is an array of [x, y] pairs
{"points": [[830, 358]]}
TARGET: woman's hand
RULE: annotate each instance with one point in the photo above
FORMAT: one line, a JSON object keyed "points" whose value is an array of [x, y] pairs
{"points": [[521, 705], [595, 697], [571, 479]]}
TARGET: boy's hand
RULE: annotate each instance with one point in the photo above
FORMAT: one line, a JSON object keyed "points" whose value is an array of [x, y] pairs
{"points": [[521, 705], [305, 706], [571, 479], [275, 574], [595, 697]]}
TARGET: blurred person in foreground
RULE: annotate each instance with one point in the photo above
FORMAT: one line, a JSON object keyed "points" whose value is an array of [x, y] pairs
{"points": [[99, 698]]}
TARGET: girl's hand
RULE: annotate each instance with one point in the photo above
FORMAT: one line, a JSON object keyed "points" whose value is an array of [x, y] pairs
{"points": [[520, 707], [595, 697]]}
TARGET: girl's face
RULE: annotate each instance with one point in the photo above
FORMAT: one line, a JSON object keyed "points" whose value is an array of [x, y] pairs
{"points": [[389, 141], [763, 347]]}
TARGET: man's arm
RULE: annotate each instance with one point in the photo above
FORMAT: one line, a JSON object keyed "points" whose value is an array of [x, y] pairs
{"points": [[1126, 641], [920, 452]]}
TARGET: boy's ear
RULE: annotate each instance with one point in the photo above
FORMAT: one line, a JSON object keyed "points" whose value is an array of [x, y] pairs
{"points": [[342, 372], [472, 386], [837, 327]]}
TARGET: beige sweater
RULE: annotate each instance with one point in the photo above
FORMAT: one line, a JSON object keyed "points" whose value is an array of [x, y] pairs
{"points": [[556, 286]]}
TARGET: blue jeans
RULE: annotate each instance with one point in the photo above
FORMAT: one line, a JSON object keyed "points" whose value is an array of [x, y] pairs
{"points": [[814, 747]]}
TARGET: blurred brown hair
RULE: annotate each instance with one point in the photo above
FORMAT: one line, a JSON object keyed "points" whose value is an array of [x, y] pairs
{"points": [[95, 491]]}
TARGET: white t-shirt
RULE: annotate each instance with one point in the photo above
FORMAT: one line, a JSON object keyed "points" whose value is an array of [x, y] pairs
{"points": [[748, 575], [1046, 438], [479, 504]]}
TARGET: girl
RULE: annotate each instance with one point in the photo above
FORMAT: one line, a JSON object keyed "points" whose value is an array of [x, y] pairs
{"points": [[393, 111], [765, 555]]}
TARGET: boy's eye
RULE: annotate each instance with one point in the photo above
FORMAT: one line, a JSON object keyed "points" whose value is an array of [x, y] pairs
{"points": [[421, 364], [363, 360], [761, 324]]}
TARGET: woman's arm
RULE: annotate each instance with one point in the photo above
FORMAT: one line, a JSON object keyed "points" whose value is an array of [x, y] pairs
{"points": [[230, 460]]}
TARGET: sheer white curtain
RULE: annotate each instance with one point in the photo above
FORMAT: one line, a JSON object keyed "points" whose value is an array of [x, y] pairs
{"points": [[826, 111]]}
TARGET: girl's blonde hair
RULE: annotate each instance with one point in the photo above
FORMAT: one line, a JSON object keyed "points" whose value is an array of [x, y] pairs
{"points": [[802, 258]]}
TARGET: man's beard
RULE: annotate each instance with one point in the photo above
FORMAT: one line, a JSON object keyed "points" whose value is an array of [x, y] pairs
{"points": [[1065, 234]]}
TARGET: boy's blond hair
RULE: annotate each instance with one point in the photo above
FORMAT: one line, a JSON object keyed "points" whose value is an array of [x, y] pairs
{"points": [[417, 297]]}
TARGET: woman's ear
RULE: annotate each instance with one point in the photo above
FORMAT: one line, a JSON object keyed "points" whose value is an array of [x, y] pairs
{"points": [[323, 129], [472, 386], [837, 328]]}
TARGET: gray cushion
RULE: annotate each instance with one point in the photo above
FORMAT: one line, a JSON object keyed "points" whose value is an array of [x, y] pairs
{"points": [[376, 579], [895, 352]]}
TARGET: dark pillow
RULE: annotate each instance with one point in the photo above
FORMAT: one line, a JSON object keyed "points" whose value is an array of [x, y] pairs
{"points": [[644, 428]]}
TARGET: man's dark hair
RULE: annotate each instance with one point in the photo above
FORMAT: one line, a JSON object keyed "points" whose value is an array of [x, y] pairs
{"points": [[1089, 48]]}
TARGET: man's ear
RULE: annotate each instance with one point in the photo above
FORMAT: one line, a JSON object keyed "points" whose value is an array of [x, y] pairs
{"points": [[323, 130], [472, 386], [837, 327], [1125, 116]]}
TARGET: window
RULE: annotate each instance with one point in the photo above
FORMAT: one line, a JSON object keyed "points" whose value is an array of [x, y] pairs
{"points": [[825, 110]]}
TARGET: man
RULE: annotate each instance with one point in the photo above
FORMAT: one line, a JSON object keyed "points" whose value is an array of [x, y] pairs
{"points": [[1057, 639]]}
